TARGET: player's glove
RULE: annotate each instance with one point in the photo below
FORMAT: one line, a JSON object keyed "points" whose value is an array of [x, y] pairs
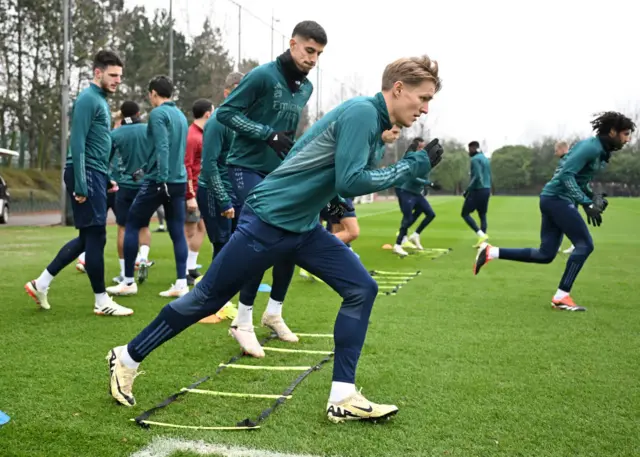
{"points": [[594, 214], [413, 146], [137, 175], [600, 201], [281, 142], [465, 193], [434, 151], [337, 207], [163, 189], [435, 186]]}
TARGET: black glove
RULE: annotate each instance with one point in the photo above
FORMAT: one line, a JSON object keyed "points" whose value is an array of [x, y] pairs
{"points": [[465, 193], [594, 214], [281, 142], [137, 175], [599, 201], [163, 189], [413, 146], [435, 186], [110, 184], [434, 151], [337, 208]]}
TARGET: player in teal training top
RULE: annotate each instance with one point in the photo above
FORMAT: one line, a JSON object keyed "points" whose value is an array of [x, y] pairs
{"points": [[86, 178], [337, 157], [264, 111], [559, 200], [476, 196]]}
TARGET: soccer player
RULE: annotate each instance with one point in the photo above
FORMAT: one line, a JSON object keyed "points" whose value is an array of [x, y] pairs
{"points": [[476, 196], [165, 183], [86, 180], [131, 147], [215, 193], [412, 204], [559, 201], [264, 112], [335, 156], [194, 226]]}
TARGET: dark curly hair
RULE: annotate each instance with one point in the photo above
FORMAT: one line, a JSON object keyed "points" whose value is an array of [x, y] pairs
{"points": [[604, 122]]}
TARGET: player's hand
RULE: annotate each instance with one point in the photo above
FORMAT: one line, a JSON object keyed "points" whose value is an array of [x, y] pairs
{"points": [[594, 214], [465, 193], [281, 142], [337, 207], [413, 146], [600, 201], [192, 205], [80, 198], [112, 187], [230, 213], [435, 186], [138, 175], [434, 151], [163, 189]]}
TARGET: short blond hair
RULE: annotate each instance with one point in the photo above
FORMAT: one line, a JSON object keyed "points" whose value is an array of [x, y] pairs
{"points": [[233, 79], [562, 145], [411, 71]]}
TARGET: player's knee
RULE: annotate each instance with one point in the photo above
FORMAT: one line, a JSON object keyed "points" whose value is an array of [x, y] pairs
{"points": [[354, 232], [544, 255], [431, 215], [584, 247]]}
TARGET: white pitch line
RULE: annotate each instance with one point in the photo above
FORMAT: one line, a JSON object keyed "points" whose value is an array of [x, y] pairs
{"points": [[165, 447]]}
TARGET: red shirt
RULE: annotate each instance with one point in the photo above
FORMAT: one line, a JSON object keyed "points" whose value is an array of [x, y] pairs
{"points": [[193, 159]]}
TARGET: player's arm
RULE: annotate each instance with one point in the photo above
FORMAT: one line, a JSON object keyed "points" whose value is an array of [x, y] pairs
{"points": [[214, 140], [475, 174], [83, 114], [576, 161], [189, 163], [355, 129], [232, 111], [160, 139], [588, 190]]}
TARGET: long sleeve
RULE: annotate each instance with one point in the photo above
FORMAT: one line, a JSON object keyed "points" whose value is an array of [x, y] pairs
{"points": [[189, 162], [232, 111], [355, 129], [81, 119], [475, 174], [160, 136], [213, 142], [575, 162]]}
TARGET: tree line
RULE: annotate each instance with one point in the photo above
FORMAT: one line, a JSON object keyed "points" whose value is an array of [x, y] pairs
{"points": [[31, 71]]}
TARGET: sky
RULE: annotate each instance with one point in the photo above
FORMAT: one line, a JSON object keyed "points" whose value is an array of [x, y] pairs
{"points": [[512, 71]]}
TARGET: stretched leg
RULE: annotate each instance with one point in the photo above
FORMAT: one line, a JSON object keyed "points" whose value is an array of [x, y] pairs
{"points": [[422, 206], [469, 207], [325, 256], [252, 249], [407, 204], [176, 215], [483, 208]]}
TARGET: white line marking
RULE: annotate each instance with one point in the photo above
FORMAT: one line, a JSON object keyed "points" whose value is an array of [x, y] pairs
{"points": [[164, 447]]}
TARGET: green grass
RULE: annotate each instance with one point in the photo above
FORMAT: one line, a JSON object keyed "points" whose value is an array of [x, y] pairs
{"points": [[479, 366]]}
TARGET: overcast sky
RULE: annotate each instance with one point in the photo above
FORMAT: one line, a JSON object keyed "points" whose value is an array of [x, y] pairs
{"points": [[512, 70]]}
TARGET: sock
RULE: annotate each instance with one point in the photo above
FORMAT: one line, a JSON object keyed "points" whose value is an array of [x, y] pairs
{"points": [[126, 359], [274, 307], [480, 233], [181, 283], [128, 281], [245, 314], [192, 260], [560, 294], [138, 258], [101, 299], [122, 267], [494, 252], [340, 391], [144, 252], [81, 258], [44, 280]]}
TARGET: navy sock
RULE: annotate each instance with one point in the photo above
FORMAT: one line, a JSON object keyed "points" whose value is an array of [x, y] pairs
{"points": [[282, 275], [164, 327], [401, 234], [576, 260], [130, 248], [69, 252], [180, 250], [470, 222], [95, 240]]}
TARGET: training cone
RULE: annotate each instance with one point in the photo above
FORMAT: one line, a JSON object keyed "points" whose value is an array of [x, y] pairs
{"points": [[264, 288], [4, 418], [387, 246]]}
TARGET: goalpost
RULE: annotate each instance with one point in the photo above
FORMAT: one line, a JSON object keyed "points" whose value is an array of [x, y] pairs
{"points": [[369, 198]]}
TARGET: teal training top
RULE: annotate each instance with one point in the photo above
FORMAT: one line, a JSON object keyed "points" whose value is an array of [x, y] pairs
{"points": [[131, 146], [337, 155], [216, 141], [260, 105], [167, 134], [480, 172], [90, 138], [575, 170]]}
